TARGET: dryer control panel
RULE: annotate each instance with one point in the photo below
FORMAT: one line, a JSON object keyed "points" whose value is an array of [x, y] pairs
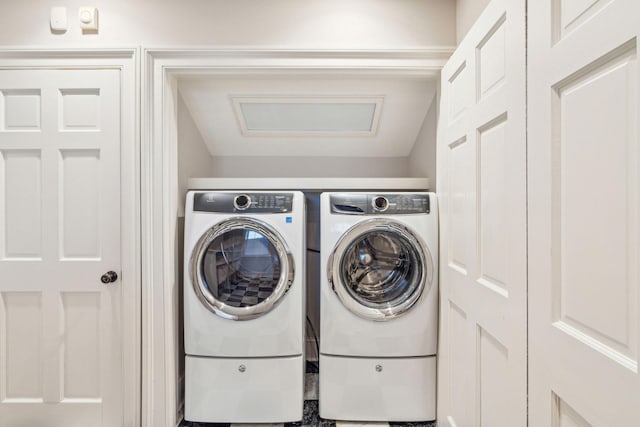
{"points": [[261, 203], [376, 204]]}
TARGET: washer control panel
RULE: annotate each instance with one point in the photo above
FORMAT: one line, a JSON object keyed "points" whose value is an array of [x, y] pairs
{"points": [[243, 202], [389, 204]]}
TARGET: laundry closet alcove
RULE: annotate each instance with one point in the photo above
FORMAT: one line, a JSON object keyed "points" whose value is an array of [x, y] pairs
{"points": [[195, 129]]}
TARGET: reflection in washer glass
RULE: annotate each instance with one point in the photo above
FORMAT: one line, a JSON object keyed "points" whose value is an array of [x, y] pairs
{"points": [[241, 268], [381, 269]]}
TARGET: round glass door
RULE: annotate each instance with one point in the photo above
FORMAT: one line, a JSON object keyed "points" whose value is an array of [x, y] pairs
{"points": [[241, 268], [379, 269]]}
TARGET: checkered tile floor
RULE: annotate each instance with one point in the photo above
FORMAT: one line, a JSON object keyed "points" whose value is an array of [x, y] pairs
{"points": [[245, 292]]}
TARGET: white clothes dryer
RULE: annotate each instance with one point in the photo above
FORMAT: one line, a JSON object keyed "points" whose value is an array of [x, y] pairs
{"points": [[379, 306], [244, 306]]}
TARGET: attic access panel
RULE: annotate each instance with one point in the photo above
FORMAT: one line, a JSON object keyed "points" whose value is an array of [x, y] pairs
{"points": [[305, 115]]}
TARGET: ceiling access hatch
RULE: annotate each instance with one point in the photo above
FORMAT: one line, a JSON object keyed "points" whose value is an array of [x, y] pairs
{"points": [[336, 115], [308, 115]]}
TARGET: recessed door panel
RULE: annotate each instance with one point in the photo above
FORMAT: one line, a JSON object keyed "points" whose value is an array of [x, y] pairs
{"points": [[82, 334], [491, 56], [20, 109], [461, 218], [80, 109], [21, 336], [493, 371], [80, 199], [492, 210], [21, 193]]}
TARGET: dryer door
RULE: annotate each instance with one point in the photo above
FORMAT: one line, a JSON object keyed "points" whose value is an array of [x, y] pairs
{"points": [[241, 268], [379, 269]]}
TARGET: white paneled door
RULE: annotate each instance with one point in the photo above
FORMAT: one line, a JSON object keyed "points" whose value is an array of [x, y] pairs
{"points": [[584, 212], [61, 356], [482, 372]]}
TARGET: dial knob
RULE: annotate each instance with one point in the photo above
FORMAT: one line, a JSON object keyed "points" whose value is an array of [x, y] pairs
{"points": [[380, 204], [242, 202]]}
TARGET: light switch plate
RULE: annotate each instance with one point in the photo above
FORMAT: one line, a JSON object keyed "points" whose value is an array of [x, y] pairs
{"points": [[88, 18], [58, 19]]}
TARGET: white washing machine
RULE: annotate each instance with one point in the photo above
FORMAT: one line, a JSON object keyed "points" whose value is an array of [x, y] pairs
{"points": [[244, 306], [379, 306]]}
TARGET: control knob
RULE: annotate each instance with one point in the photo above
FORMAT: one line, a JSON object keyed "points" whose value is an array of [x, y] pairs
{"points": [[380, 203], [242, 202]]}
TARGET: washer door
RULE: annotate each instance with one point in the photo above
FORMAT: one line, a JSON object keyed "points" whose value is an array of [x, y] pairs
{"points": [[379, 268], [241, 268]]}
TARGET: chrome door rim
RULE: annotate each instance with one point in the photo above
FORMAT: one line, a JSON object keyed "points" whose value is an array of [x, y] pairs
{"points": [[241, 313], [339, 287]]}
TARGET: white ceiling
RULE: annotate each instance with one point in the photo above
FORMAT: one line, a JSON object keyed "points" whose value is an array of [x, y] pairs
{"points": [[406, 101]]}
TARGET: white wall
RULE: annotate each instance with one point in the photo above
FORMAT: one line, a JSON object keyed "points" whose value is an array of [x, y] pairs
{"points": [[358, 24], [422, 160], [467, 11], [193, 157]]}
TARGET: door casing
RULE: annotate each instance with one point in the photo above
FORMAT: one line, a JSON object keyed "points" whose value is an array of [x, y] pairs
{"points": [[126, 61], [161, 205]]}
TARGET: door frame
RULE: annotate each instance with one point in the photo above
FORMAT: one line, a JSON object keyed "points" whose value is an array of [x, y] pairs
{"points": [[124, 60], [161, 70]]}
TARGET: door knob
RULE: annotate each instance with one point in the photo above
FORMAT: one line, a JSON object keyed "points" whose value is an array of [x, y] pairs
{"points": [[109, 277]]}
